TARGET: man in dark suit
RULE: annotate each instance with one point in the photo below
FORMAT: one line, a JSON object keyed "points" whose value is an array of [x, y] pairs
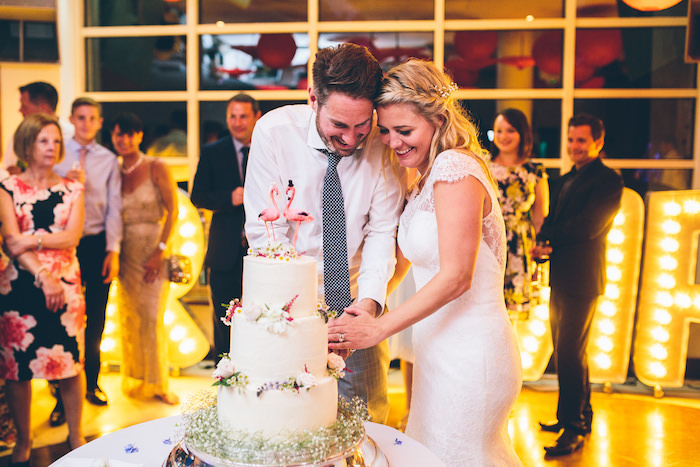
{"points": [[218, 186], [583, 206]]}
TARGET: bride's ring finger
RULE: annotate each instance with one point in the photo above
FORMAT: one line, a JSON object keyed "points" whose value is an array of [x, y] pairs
{"points": [[341, 337]]}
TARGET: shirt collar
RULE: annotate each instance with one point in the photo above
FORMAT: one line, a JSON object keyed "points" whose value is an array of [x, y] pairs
{"points": [[75, 145]]}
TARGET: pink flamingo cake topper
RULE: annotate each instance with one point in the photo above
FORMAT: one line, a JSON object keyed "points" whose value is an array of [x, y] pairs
{"points": [[295, 215], [272, 213]]}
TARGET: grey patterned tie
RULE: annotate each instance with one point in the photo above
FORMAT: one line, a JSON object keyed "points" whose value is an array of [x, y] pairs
{"points": [[336, 276]]}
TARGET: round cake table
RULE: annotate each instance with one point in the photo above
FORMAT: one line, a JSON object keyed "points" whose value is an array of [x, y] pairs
{"points": [[148, 444]]}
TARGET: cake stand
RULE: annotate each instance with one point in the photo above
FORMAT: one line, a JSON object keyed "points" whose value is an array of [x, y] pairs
{"points": [[365, 453]]}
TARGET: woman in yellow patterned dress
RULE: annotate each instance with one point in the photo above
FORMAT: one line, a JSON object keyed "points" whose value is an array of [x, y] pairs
{"points": [[524, 197]]}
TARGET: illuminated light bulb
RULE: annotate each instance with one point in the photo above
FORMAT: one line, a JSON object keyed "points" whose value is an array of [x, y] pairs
{"points": [[606, 326], [666, 281], [691, 206], [604, 343], [662, 316], [615, 256], [178, 333], [542, 312], [612, 292], [168, 317], [672, 208], [619, 219], [110, 327], [603, 361], [683, 300], [664, 299], [181, 213], [696, 302], [660, 334], [220, 24], [107, 344], [111, 310], [658, 370], [526, 360], [671, 227], [669, 245], [545, 293], [530, 344], [187, 346], [616, 237], [189, 249], [658, 351], [187, 230], [614, 273], [537, 328], [668, 263], [608, 308]]}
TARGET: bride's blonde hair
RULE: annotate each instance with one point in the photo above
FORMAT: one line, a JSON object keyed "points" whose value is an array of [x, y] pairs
{"points": [[430, 91]]}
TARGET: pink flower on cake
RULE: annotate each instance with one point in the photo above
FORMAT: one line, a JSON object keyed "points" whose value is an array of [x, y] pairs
{"points": [[14, 330], [53, 363], [224, 369], [234, 306], [336, 365], [306, 380], [8, 366], [252, 312]]}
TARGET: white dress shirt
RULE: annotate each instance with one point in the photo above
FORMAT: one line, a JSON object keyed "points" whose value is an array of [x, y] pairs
{"points": [[285, 147], [103, 187]]}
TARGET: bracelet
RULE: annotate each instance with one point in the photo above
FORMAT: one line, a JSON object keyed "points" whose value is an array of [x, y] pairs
{"points": [[38, 284], [39, 242]]}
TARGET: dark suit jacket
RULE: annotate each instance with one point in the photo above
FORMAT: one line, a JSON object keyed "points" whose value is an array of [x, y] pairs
{"points": [[217, 176], [578, 225]]}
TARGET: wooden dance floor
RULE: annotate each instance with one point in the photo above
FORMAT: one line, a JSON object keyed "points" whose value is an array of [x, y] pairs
{"points": [[630, 426]]}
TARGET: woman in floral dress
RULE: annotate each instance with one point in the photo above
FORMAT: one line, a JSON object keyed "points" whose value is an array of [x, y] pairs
{"points": [[524, 198], [42, 310]]}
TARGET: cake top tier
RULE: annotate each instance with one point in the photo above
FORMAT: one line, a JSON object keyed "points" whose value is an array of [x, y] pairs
{"points": [[275, 250]]}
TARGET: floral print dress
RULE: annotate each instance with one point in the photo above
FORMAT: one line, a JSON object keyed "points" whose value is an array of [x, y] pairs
{"points": [[34, 341], [516, 186]]}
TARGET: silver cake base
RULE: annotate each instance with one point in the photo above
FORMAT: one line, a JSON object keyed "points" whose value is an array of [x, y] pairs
{"points": [[365, 453]]}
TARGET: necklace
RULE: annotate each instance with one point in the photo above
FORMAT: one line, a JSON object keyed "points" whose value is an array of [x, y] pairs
{"points": [[139, 161]]}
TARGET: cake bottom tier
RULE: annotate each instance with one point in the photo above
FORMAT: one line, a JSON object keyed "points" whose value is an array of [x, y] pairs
{"points": [[279, 412]]}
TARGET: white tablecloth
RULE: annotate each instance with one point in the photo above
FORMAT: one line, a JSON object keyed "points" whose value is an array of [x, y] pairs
{"points": [[149, 444]]}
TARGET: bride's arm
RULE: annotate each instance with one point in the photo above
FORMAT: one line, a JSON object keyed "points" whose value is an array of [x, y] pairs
{"points": [[459, 209], [400, 271]]}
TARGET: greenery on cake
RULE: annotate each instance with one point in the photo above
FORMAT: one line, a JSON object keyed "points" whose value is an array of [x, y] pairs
{"points": [[274, 317], [208, 438], [275, 250], [225, 374]]}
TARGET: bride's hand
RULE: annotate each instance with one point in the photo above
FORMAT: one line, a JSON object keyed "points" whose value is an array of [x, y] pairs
{"points": [[354, 329]]}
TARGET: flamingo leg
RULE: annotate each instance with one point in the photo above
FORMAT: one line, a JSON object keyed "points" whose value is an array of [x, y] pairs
{"points": [[296, 232], [267, 229]]}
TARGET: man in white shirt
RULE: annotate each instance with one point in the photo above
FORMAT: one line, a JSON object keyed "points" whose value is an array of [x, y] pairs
{"points": [[35, 97], [291, 144]]}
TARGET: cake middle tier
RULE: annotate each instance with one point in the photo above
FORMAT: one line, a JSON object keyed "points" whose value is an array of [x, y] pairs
{"points": [[263, 356]]}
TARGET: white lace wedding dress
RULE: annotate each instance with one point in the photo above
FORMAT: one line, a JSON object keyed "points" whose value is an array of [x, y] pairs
{"points": [[467, 371]]}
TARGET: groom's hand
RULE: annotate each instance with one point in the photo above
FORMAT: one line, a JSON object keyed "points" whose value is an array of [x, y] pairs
{"points": [[366, 305]]}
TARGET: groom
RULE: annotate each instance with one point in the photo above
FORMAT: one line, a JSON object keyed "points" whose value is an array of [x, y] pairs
{"points": [[341, 181]]}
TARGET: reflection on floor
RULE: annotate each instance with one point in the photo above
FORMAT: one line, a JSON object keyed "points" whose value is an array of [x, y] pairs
{"points": [[630, 428]]}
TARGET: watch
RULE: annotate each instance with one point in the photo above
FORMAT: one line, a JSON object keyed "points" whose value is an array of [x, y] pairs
{"points": [[162, 246]]}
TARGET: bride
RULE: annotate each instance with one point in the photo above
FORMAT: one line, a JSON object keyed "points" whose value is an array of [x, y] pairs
{"points": [[467, 371]]}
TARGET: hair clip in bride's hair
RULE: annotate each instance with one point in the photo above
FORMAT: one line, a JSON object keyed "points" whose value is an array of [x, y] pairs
{"points": [[446, 91]]}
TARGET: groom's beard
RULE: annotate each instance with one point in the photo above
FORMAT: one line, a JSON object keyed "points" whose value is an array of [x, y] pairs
{"points": [[329, 142]]}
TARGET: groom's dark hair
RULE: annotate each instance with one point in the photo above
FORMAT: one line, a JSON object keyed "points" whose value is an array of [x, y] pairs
{"points": [[349, 69]]}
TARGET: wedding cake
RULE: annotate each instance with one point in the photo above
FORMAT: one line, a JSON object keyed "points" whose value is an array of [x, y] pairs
{"points": [[278, 377]]}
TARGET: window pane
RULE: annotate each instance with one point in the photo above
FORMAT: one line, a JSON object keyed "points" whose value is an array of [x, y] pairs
{"points": [[9, 41], [632, 58], [504, 59], [487, 9], [544, 117], [134, 12], [390, 48], [636, 127], [252, 11], [254, 61], [375, 10], [644, 181], [164, 125], [40, 42], [136, 64], [619, 8], [213, 118]]}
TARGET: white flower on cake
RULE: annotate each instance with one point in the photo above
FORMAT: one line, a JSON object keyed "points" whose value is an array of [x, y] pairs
{"points": [[273, 317], [306, 380], [336, 365], [275, 250], [252, 312], [225, 374], [224, 369]]}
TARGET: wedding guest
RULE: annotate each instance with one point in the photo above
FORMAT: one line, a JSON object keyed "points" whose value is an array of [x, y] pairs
{"points": [[218, 186], [149, 212], [584, 204], [524, 199], [98, 252], [343, 183], [467, 372], [41, 216]]}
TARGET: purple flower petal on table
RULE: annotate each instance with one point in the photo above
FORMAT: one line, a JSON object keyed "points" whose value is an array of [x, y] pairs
{"points": [[130, 448]]}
